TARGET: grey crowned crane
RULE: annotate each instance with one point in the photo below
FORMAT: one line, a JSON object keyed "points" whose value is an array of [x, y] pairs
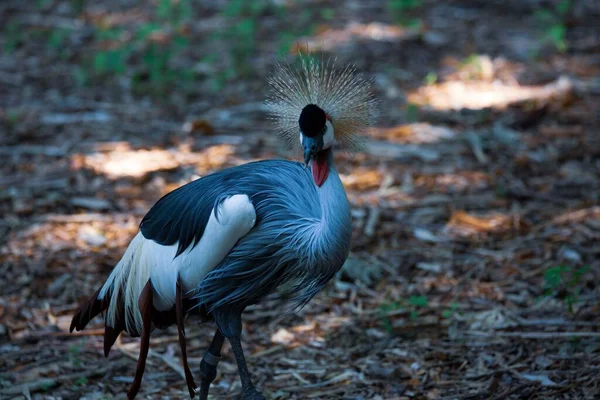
{"points": [[225, 241]]}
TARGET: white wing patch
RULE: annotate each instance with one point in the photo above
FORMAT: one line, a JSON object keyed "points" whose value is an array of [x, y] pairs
{"points": [[146, 259], [236, 217]]}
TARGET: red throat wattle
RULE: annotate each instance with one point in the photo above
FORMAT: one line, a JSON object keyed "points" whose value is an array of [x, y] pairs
{"points": [[320, 168]]}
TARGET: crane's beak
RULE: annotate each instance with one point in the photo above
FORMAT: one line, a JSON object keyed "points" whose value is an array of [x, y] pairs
{"points": [[311, 145]]}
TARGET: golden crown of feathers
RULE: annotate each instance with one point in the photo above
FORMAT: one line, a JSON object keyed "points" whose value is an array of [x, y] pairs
{"points": [[344, 94]]}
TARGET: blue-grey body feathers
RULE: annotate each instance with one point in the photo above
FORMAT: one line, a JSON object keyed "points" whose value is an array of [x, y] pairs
{"points": [[301, 236]]}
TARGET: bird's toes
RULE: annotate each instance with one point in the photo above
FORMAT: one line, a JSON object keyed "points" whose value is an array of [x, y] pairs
{"points": [[252, 394]]}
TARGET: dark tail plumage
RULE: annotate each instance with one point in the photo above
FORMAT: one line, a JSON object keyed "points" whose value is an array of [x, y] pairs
{"points": [[150, 317], [93, 307], [87, 311]]}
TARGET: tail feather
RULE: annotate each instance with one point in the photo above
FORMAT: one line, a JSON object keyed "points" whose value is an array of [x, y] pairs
{"points": [[90, 309], [87, 311], [113, 298], [120, 294], [123, 288], [110, 337], [111, 333]]}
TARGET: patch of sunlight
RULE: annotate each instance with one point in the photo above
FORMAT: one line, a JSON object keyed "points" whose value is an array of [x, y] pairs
{"points": [[73, 234], [362, 179], [454, 182], [214, 157], [474, 68], [313, 331], [462, 224], [476, 95], [329, 39], [283, 336], [122, 161], [107, 19], [413, 133], [578, 216]]}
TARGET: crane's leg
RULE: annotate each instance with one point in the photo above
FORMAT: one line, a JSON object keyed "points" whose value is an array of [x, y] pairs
{"points": [[230, 324], [189, 379], [145, 304], [208, 365]]}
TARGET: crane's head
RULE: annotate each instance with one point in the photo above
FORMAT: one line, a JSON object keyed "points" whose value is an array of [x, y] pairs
{"points": [[321, 103], [316, 131]]}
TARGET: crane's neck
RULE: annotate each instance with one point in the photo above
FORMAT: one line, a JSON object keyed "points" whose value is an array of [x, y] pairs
{"points": [[336, 220], [321, 165]]}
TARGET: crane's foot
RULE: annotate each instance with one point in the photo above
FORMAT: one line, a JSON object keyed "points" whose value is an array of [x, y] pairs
{"points": [[252, 394], [208, 366], [229, 322], [208, 373]]}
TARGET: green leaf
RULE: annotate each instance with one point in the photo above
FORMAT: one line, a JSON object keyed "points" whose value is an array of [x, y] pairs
{"points": [[230, 74], [234, 8], [557, 33], [257, 7], [148, 57], [414, 24], [100, 62], [145, 30], [42, 3], [180, 42], [412, 112], [14, 36], [246, 27], [470, 60], [384, 309], [186, 75], [81, 381], [545, 16], [184, 11], [578, 274], [553, 277], [218, 83], [78, 5], [110, 34], [285, 43], [306, 15], [403, 5], [430, 78], [563, 7], [114, 61], [163, 11], [47, 384], [450, 311], [327, 14], [418, 301], [75, 349], [387, 325], [80, 76]]}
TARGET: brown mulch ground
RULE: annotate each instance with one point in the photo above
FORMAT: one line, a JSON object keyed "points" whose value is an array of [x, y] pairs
{"points": [[476, 203]]}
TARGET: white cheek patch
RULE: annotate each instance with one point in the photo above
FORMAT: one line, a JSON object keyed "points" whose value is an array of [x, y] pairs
{"points": [[301, 138], [329, 137]]}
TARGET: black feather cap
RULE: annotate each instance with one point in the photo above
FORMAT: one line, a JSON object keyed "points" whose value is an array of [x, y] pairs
{"points": [[312, 120]]}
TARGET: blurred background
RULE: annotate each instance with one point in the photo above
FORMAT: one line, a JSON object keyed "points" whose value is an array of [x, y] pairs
{"points": [[476, 210]]}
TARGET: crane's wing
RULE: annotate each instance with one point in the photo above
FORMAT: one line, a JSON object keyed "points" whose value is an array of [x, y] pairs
{"points": [[185, 235]]}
